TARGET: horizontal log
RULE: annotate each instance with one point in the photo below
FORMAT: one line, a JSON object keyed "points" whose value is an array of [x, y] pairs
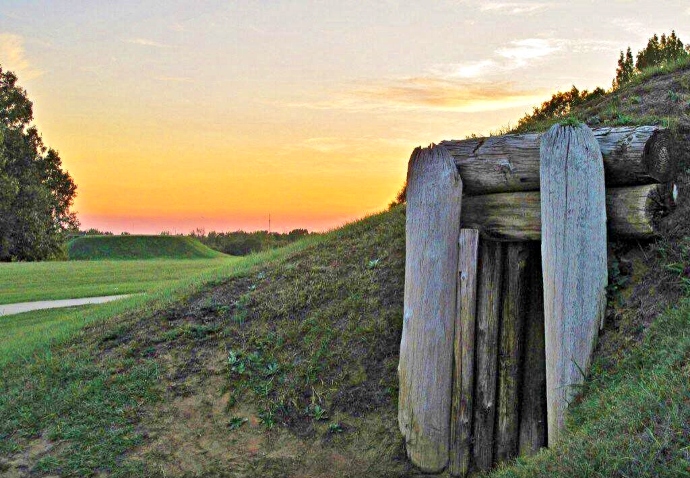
{"points": [[510, 163], [632, 212]]}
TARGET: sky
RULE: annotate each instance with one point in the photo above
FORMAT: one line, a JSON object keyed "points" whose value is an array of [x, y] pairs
{"points": [[175, 115]]}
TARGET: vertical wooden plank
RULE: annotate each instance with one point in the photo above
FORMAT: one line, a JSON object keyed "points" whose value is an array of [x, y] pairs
{"points": [[463, 371], [486, 343], [533, 399], [426, 350], [573, 214], [513, 312]]}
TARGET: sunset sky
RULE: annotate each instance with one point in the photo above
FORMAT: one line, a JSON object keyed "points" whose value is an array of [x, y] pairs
{"points": [[172, 115]]}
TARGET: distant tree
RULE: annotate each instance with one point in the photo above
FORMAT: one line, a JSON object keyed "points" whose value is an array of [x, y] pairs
{"points": [[96, 232], [660, 51], [625, 70], [35, 193]]}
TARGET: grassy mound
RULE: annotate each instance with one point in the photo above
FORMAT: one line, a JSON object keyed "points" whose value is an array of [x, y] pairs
{"points": [[138, 247], [287, 367]]}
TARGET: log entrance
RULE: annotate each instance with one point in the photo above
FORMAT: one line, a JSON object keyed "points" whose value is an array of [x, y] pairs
{"points": [[483, 328]]}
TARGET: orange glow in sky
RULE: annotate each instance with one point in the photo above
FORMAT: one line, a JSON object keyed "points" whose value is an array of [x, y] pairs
{"points": [[182, 114]]}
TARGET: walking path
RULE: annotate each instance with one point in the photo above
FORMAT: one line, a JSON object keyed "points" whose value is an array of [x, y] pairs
{"points": [[9, 309]]}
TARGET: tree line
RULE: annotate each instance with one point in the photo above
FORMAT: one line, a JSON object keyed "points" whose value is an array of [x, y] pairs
{"points": [[241, 243]]}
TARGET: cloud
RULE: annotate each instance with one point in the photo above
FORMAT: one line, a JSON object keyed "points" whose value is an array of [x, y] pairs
{"points": [[145, 42], [439, 94], [514, 8], [473, 69], [13, 57], [522, 51]]}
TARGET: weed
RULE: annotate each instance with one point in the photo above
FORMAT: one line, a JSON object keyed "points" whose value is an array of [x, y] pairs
{"points": [[372, 264], [236, 422], [335, 428], [317, 413], [673, 96], [267, 418]]}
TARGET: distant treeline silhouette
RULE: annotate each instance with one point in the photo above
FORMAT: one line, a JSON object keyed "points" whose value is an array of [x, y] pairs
{"points": [[241, 243]]}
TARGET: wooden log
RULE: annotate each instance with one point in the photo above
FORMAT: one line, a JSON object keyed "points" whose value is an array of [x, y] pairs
{"points": [[486, 346], [632, 155], [573, 259], [513, 312], [463, 371], [533, 397], [426, 349], [633, 212]]}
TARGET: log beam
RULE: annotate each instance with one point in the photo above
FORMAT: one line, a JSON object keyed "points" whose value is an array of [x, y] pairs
{"points": [[632, 155], [632, 212]]}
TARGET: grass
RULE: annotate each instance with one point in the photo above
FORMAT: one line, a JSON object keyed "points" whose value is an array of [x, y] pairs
{"points": [[75, 409], [30, 281], [635, 415], [285, 363], [138, 247], [80, 399]]}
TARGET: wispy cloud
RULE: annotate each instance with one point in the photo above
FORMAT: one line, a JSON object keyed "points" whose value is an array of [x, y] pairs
{"points": [[13, 57], [514, 8], [146, 42], [522, 51], [440, 94]]}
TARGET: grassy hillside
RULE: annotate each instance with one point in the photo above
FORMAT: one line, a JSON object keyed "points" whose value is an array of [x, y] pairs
{"points": [[138, 247], [286, 366], [29, 281], [659, 95]]}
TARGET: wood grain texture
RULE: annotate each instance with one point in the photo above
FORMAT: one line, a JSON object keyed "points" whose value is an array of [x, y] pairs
{"points": [[514, 309], [573, 259], [632, 155], [426, 349], [633, 212], [533, 397], [463, 371], [486, 352]]}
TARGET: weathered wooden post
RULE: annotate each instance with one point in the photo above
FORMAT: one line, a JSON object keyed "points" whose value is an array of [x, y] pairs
{"points": [[513, 312], [463, 371], [573, 214], [434, 192], [486, 346]]}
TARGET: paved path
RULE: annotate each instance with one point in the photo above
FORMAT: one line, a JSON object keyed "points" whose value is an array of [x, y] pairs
{"points": [[9, 309]]}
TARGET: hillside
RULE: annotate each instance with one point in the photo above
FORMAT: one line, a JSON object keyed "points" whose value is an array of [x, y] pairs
{"points": [[288, 368], [138, 247]]}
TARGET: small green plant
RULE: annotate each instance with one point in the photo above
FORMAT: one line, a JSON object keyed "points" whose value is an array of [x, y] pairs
{"points": [[267, 418], [673, 96], [636, 100], [317, 412], [272, 368], [236, 422], [335, 428], [571, 121], [623, 120], [372, 264]]}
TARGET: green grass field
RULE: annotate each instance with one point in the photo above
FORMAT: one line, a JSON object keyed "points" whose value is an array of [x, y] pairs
{"points": [[138, 247], [29, 281]]}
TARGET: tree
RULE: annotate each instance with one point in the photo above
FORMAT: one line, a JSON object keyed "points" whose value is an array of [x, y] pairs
{"points": [[661, 51], [36, 194], [625, 70]]}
